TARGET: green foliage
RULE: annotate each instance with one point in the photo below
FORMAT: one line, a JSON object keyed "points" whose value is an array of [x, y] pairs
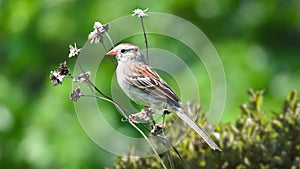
{"points": [[257, 41], [254, 141]]}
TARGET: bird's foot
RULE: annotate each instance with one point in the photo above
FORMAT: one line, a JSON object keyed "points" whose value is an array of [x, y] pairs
{"points": [[165, 112], [156, 129]]}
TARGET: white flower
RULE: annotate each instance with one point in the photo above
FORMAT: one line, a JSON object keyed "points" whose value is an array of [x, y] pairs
{"points": [[74, 51], [76, 94], [56, 78], [144, 115], [83, 77], [101, 28], [63, 69], [96, 35], [140, 13]]}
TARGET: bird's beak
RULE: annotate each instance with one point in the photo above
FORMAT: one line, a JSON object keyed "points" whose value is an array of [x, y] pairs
{"points": [[111, 53]]}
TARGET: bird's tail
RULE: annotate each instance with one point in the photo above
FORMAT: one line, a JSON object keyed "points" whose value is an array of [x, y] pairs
{"points": [[180, 112]]}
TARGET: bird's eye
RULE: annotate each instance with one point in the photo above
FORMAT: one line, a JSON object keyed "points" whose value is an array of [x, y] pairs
{"points": [[123, 50]]}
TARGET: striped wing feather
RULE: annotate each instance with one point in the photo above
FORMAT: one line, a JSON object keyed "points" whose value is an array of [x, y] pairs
{"points": [[145, 78]]}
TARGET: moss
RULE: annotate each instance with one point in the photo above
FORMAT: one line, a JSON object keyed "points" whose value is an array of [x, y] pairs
{"points": [[254, 141]]}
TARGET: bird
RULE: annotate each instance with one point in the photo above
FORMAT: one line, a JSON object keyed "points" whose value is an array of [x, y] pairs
{"points": [[142, 84]]}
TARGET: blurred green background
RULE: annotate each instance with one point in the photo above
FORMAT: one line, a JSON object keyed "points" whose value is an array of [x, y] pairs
{"points": [[258, 43]]}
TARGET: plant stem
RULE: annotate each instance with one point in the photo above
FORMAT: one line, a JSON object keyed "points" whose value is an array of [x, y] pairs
{"points": [[100, 92], [139, 130], [110, 41], [106, 50], [111, 101], [146, 41], [149, 142], [164, 141]]}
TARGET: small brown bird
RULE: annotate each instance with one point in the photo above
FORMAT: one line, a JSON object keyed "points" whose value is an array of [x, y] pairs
{"points": [[144, 86]]}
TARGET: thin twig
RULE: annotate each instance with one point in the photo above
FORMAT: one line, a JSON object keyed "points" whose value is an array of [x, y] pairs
{"points": [[171, 162], [163, 137], [149, 142], [184, 164], [106, 50], [100, 92], [139, 130], [80, 66], [165, 144], [111, 101], [145, 39], [109, 38]]}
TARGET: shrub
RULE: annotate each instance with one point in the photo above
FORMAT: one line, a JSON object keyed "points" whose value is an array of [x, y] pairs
{"points": [[254, 141]]}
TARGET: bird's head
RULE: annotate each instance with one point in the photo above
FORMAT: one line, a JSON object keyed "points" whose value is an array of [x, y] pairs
{"points": [[127, 53]]}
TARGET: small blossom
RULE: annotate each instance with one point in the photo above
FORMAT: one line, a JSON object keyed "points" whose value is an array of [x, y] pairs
{"points": [[144, 115], [63, 69], [83, 77], [97, 35], [76, 94], [101, 28], [140, 13], [74, 51], [156, 129], [56, 78]]}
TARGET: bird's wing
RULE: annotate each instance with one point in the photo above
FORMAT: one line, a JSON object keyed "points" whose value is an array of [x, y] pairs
{"points": [[145, 78]]}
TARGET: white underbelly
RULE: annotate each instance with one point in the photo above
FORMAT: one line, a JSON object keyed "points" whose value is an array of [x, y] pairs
{"points": [[136, 94]]}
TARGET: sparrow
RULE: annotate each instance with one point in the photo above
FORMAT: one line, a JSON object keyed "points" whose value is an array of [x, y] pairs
{"points": [[143, 85]]}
